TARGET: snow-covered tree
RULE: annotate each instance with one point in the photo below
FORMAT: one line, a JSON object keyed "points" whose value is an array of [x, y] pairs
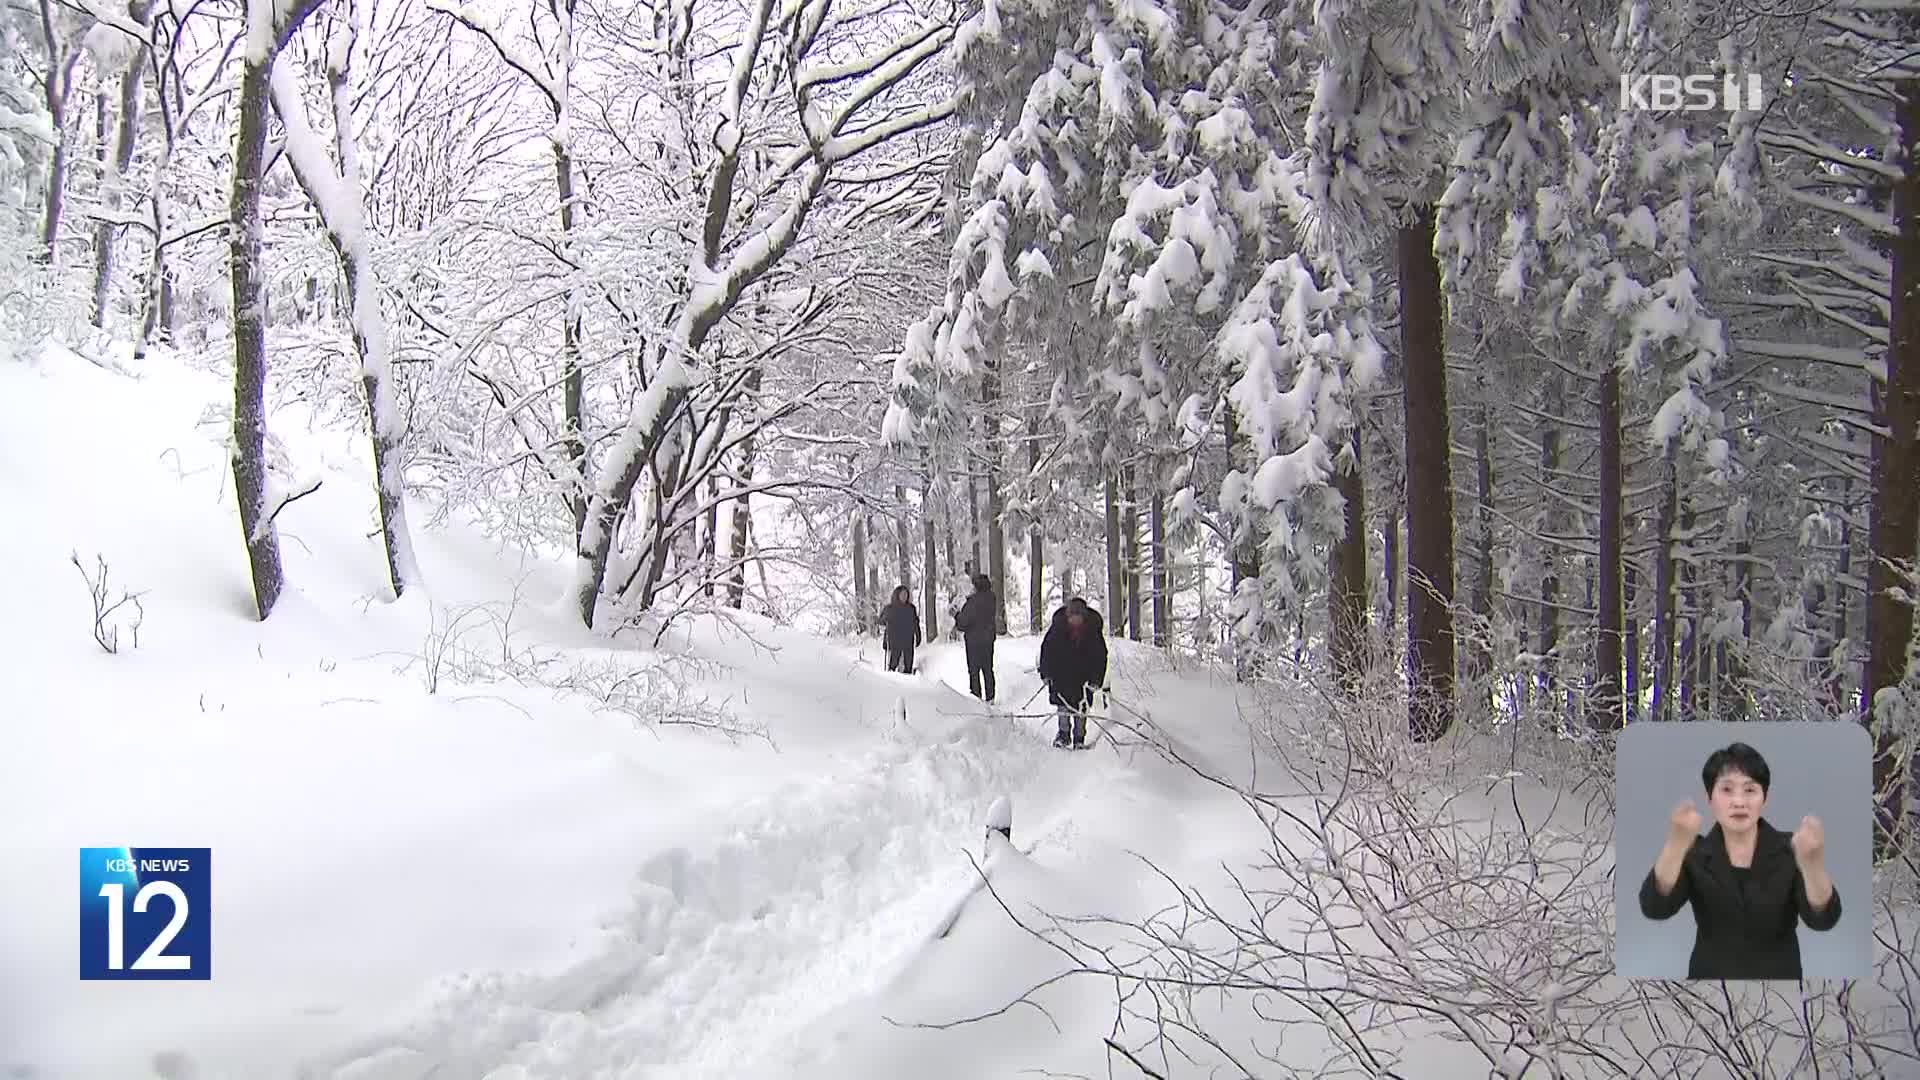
{"points": [[1134, 184], [334, 184]]}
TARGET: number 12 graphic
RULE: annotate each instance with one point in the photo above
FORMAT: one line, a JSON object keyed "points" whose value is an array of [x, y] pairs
{"points": [[169, 926]]}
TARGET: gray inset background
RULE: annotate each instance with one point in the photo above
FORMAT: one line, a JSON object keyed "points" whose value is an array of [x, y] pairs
{"points": [[1823, 769]]}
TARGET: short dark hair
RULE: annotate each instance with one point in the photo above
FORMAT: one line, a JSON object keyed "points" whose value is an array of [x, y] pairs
{"points": [[982, 582], [1077, 606], [1736, 758]]}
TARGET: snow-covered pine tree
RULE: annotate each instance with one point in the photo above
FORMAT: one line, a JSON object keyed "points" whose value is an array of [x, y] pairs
{"points": [[1141, 153], [1385, 105], [1848, 135]]}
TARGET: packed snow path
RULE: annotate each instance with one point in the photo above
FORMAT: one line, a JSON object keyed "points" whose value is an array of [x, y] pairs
{"points": [[807, 898]]}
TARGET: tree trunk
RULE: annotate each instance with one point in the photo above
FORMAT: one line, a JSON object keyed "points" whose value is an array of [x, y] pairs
{"points": [[1245, 550], [903, 556], [334, 189], [1480, 647], [1203, 615], [1036, 549], [1114, 586], [975, 526], [572, 374], [128, 129], [1131, 524], [1550, 560], [710, 540], [929, 568], [743, 506], [1162, 576], [1835, 677], [1686, 701], [1390, 542], [56, 84], [874, 591], [1630, 636], [1663, 595], [1429, 482], [862, 604], [1896, 484], [247, 278], [1606, 715], [1347, 576], [1731, 667], [996, 499]]}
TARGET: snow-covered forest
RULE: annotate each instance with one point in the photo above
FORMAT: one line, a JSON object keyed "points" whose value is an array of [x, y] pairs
{"points": [[489, 431]]}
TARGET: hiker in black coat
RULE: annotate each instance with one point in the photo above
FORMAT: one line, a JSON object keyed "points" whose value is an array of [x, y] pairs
{"points": [[900, 630], [1073, 663], [1749, 884], [978, 622]]}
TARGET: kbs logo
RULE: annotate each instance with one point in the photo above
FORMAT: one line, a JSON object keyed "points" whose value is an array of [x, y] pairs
{"points": [[1691, 93], [146, 913]]}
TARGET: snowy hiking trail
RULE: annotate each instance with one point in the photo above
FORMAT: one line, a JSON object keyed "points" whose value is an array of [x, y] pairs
{"points": [[502, 878], [807, 898]]}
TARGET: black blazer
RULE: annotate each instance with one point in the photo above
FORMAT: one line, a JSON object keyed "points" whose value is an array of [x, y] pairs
{"points": [[1736, 935]]}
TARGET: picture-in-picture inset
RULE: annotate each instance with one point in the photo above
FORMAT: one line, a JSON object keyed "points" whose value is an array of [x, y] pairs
{"points": [[1744, 851]]}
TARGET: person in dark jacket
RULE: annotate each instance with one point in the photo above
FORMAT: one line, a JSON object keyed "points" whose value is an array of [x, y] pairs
{"points": [[1073, 664], [978, 622], [900, 630], [1749, 884]]}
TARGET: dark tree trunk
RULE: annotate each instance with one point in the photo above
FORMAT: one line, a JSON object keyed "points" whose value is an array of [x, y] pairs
{"points": [[1245, 548], [863, 601], [874, 592], [1347, 576], [1114, 581], [1162, 577], [975, 526], [903, 555], [1390, 543], [1663, 595], [1480, 648], [1131, 525], [996, 499], [247, 279], [56, 85], [710, 534], [1896, 482], [929, 566], [105, 233], [1429, 458], [1606, 713], [1730, 669], [1550, 560], [1687, 700], [1036, 548], [1630, 636], [572, 371], [1835, 676]]}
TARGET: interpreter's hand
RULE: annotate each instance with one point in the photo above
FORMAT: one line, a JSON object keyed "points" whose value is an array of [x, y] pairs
{"points": [[1809, 841], [1684, 825]]}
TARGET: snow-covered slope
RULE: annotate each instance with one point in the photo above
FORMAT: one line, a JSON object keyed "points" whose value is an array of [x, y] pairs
{"points": [[424, 868]]}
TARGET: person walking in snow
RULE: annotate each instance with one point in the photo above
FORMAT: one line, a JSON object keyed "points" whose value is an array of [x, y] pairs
{"points": [[900, 630], [1073, 664], [978, 623]]}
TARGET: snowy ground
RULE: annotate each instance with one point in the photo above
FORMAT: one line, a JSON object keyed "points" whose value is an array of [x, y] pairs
{"points": [[497, 880]]}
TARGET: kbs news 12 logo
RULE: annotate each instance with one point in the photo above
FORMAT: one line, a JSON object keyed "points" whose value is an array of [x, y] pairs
{"points": [[146, 913], [1691, 93]]}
